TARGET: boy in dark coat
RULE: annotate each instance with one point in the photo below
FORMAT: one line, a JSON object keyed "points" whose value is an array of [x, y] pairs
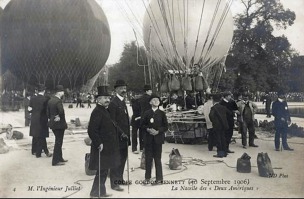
{"points": [[105, 143], [154, 123], [218, 117]]}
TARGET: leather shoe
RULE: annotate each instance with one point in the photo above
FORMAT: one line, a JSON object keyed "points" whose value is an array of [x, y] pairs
{"points": [[101, 196], [228, 151], [49, 155], [277, 149], [157, 182], [253, 145], [244, 147], [218, 156], [63, 160], [58, 164], [288, 149], [117, 188]]}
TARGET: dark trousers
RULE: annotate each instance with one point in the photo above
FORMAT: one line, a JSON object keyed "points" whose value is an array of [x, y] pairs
{"points": [[41, 144], [34, 144], [228, 135], [250, 126], [27, 121], [57, 156], [220, 141], [211, 139], [281, 129], [136, 129], [268, 110], [116, 174], [89, 104], [153, 151], [95, 188]]}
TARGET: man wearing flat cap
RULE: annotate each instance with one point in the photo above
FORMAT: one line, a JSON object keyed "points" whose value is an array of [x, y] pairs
{"points": [[39, 122], [281, 121], [105, 143], [120, 116], [247, 111], [57, 123]]}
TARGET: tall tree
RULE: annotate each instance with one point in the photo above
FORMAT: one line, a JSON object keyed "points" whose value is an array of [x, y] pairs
{"points": [[261, 60], [130, 67]]}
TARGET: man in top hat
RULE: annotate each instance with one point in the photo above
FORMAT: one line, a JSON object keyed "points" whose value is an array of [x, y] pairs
{"points": [[57, 123], [105, 143], [230, 104], [39, 122], [154, 123], [281, 121], [120, 116]]}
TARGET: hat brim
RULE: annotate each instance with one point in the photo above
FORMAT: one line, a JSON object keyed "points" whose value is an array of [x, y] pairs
{"points": [[106, 95]]}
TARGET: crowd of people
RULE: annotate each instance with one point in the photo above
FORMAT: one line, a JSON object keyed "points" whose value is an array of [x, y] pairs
{"points": [[111, 135]]}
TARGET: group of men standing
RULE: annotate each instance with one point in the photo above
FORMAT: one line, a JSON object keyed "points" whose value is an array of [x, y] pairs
{"points": [[109, 130], [220, 109], [47, 112]]}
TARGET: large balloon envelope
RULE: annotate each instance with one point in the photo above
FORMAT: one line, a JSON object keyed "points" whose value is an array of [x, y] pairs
{"points": [[54, 41], [180, 34]]}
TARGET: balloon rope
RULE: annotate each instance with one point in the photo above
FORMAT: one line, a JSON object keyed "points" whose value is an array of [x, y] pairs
{"points": [[199, 28], [208, 34], [219, 26], [155, 27]]}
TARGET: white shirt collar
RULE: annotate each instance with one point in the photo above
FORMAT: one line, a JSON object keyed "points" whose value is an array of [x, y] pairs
{"points": [[154, 109], [280, 100], [225, 100], [120, 97]]}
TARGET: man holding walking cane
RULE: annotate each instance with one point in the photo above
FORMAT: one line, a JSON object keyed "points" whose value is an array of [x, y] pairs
{"points": [[105, 143]]}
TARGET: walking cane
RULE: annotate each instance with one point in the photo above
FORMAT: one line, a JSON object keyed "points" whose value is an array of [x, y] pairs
{"points": [[128, 166], [99, 172]]}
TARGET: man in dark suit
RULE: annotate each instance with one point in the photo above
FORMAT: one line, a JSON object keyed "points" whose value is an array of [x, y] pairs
{"points": [[281, 121], [120, 116], [57, 123], [27, 114], [144, 106], [39, 122], [231, 105], [135, 123], [218, 117], [105, 143], [267, 101], [154, 123]]}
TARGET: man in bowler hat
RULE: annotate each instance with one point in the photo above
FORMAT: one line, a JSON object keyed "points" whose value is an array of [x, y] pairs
{"points": [[105, 143], [57, 123], [39, 123], [120, 116], [154, 123]]}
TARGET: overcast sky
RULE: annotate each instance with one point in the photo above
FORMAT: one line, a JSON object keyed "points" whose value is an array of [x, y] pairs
{"points": [[122, 25]]}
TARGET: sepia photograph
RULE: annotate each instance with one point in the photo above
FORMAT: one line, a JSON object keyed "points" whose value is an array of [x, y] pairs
{"points": [[151, 98]]}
